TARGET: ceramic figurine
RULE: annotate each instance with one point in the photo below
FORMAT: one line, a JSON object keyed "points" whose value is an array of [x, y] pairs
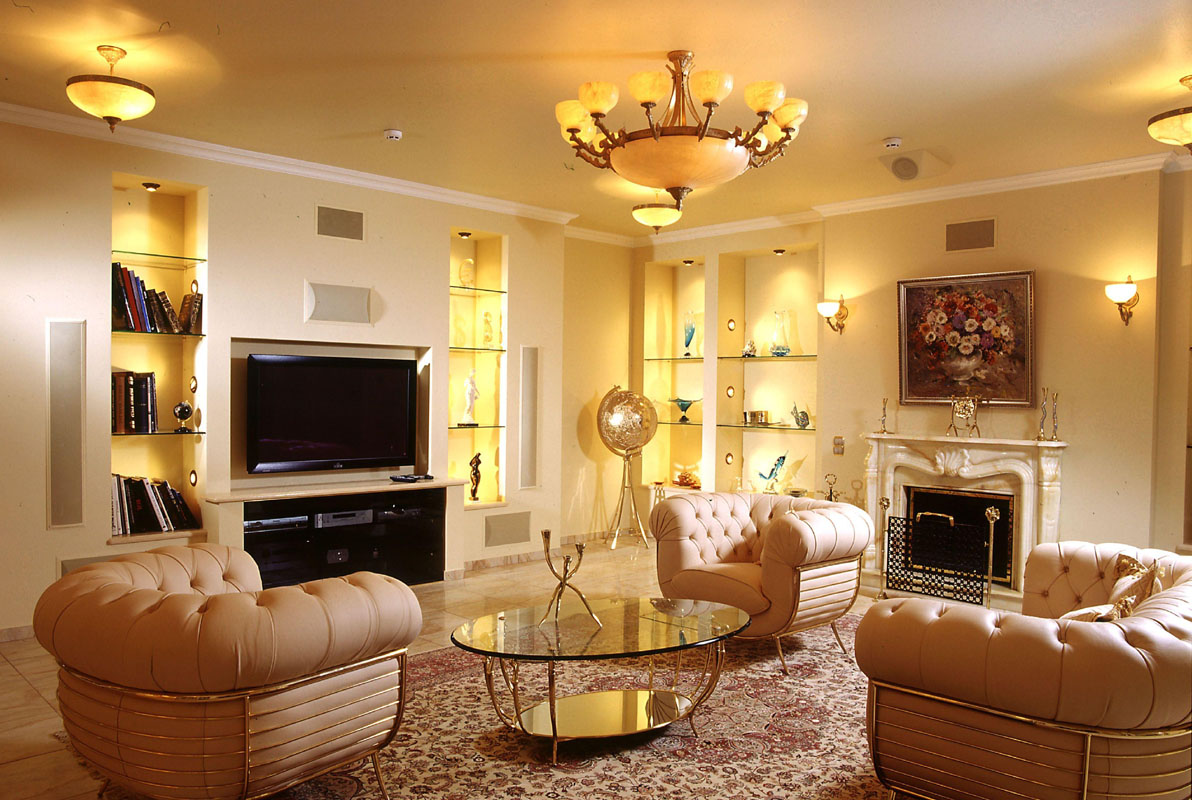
{"points": [[749, 350], [470, 395], [772, 478], [488, 329], [801, 418]]}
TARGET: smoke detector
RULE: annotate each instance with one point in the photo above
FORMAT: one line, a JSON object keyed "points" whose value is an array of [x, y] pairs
{"points": [[892, 142], [393, 135]]}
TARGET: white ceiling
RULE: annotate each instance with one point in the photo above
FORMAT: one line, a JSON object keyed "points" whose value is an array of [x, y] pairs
{"points": [[994, 88]]}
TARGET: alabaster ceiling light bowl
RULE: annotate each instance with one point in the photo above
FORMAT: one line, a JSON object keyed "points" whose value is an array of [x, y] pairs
{"points": [[108, 97], [681, 151], [1175, 126]]}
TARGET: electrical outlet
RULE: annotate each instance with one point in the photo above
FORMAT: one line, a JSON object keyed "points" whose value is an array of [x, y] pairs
{"points": [[838, 445]]}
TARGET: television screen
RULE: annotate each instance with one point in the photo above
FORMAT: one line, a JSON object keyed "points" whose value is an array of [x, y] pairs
{"points": [[315, 412]]}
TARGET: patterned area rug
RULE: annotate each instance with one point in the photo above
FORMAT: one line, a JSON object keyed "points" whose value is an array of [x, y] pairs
{"points": [[761, 734]]}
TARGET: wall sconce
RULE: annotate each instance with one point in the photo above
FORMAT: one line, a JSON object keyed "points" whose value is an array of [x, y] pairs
{"points": [[834, 313], [1126, 297]]}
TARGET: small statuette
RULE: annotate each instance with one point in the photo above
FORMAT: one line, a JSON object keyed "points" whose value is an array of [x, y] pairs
{"points": [[183, 412], [1042, 437], [1055, 416], [467, 273], [468, 420], [475, 464], [568, 572], [488, 329], [749, 350], [830, 479], [884, 401], [775, 473], [801, 418]]}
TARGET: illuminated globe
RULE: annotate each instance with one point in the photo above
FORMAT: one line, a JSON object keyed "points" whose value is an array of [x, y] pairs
{"points": [[626, 421]]}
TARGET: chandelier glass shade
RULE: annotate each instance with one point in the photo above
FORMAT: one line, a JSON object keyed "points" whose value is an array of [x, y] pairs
{"points": [[108, 97], [680, 150], [1173, 127]]}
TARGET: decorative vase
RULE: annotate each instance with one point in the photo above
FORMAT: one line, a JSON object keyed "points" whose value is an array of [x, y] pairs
{"points": [[688, 333], [961, 368], [778, 345]]}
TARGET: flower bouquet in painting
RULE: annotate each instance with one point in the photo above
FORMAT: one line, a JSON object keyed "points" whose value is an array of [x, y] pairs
{"points": [[967, 335]]}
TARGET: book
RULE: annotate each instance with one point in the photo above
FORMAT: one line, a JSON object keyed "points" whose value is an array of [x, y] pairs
{"points": [[130, 298], [188, 305], [115, 508], [121, 314], [152, 381], [196, 315], [120, 401], [171, 314], [144, 402], [191, 522], [157, 311], [150, 326], [155, 504], [141, 517]]}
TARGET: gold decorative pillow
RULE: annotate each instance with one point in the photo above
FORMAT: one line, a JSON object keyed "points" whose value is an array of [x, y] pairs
{"points": [[1135, 580], [1102, 613]]}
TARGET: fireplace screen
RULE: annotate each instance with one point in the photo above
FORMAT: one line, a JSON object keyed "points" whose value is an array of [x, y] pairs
{"points": [[933, 555], [968, 507]]}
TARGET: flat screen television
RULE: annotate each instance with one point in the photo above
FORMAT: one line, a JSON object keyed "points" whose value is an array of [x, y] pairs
{"points": [[324, 413]]}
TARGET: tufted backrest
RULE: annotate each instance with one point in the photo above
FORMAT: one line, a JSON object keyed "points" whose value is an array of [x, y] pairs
{"points": [[1063, 576], [194, 619], [700, 528]]}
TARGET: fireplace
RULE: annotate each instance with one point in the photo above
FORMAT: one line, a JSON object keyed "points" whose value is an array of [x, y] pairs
{"points": [[1024, 471], [967, 507]]}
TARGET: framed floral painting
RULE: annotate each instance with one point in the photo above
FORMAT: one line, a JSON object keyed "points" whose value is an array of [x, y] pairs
{"points": [[967, 334]]}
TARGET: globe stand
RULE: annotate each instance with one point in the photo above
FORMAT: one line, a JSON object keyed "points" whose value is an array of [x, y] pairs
{"points": [[627, 491]]}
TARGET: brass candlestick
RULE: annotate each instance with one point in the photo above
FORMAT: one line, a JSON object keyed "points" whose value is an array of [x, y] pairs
{"points": [[884, 401], [992, 515], [884, 556], [565, 576], [1055, 416], [1042, 437]]}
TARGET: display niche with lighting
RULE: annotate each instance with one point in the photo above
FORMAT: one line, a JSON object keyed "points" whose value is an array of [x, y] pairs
{"points": [[766, 408], [477, 368], [672, 374], [158, 378]]}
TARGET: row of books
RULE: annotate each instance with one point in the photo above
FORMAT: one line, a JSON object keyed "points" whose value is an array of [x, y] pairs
{"points": [[134, 402], [136, 307], [142, 505]]}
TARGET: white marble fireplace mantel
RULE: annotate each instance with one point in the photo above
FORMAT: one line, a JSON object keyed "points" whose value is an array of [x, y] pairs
{"points": [[1027, 468]]}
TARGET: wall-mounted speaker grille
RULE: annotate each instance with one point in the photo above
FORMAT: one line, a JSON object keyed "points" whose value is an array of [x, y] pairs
{"points": [[332, 302], [341, 223], [975, 235], [502, 529]]}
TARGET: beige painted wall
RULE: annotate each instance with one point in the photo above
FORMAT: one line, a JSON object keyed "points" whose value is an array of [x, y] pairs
{"points": [[55, 241], [595, 356]]}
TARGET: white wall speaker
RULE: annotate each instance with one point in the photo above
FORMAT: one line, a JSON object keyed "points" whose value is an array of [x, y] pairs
{"points": [[331, 302], [910, 165]]}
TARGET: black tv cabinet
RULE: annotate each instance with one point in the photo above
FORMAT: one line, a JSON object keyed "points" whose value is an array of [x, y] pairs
{"points": [[304, 539]]}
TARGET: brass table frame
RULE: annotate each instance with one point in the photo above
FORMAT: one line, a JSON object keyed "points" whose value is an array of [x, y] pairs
{"points": [[514, 715]]}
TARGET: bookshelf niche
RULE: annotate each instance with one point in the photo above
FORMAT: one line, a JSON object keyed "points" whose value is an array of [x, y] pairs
{"points": [[158, 280], [477, 345]]}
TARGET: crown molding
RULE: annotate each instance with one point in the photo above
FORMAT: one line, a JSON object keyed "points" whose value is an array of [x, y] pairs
{"points": [[89, 128], [589, 235], [1084, 172], [729, 228], [1178, 162]]}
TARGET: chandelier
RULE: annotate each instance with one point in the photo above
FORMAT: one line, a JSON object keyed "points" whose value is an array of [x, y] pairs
{"points": [[110, 98], [1175, 126], [681, 151]]}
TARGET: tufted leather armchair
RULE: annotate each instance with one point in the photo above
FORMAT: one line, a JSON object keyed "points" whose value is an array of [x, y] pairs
{"points": [[181, 678], [791, 563], [969, 702]]}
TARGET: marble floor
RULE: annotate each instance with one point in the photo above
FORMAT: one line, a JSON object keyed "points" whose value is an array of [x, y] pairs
{"points": [[34, 764]]}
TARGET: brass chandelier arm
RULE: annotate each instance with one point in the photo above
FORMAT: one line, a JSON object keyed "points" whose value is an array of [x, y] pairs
{"points": [[703, 129], [597, 158], [611, 139], [655, 128]]}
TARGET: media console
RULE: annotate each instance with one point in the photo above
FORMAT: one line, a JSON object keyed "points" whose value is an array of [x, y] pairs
{"points": [[301, 539]]}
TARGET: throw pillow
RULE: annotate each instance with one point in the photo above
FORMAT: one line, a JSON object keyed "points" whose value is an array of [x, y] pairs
{"points": [[1102, 613], [1135, 580]]}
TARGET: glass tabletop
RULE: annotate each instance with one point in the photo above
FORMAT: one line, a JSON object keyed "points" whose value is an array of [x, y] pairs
{"points": [[632, 626]]}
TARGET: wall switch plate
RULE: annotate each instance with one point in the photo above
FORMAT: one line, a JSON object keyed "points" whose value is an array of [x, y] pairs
{"points": [[838, 445]]}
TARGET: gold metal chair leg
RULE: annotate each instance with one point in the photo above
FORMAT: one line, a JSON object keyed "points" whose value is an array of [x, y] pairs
{"points": [[376, 762], [103, 787], [839, 641], [781, 655]]}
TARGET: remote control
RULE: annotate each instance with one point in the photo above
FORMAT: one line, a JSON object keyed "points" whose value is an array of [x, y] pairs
{"points": [[410, 478]]}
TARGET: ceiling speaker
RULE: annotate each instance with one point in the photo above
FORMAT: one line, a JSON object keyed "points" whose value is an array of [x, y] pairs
{"points": [[913, 164]]}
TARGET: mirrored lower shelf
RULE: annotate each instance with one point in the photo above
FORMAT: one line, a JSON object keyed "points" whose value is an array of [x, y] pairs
{"points": [[786, 428]]}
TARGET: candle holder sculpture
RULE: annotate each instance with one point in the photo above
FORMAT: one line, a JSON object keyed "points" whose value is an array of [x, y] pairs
{"points": [[1042, 437], [564, 576], [1055, 416], [884, 401]]}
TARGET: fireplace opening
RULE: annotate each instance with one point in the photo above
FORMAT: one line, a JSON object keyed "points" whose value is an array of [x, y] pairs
{"points": [[967, 507]]}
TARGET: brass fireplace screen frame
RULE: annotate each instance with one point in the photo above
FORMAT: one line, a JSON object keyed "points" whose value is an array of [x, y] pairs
{"points": [[1009, 519]]}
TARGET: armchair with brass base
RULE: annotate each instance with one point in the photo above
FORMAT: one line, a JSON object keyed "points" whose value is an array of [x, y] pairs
{"points": [[966, 702], [181, 678], [792, 563]]}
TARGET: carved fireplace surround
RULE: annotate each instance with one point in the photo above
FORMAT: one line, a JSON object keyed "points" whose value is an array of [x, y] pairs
{"points": [[1026, 468]]}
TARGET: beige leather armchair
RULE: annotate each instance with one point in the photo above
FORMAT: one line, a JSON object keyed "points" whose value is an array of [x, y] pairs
{"points": [[968, 702], [791, 563], [181, 678]]}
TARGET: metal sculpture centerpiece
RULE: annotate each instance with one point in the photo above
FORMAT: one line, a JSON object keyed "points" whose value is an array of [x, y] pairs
{"points": [[626, 422], [565, 575], [681, 151]]}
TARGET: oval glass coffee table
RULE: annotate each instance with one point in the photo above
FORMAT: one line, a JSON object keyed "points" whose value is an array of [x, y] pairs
{"points": [[628, 628]]}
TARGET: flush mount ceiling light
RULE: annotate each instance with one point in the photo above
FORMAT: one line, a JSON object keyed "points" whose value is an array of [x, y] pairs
{"points": [[150, 186], [680, 152], [1175, 126], [110, 98]]}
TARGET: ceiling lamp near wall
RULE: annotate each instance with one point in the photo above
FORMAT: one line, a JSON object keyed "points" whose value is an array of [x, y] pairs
{"points": [[110, 98], [680, 151], [1175, 126]]}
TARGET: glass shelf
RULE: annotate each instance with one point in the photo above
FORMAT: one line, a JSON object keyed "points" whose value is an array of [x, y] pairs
{"points": [[158, 260], [159, 333], [163, 433], [692, 424], [475, 427], [473, 291], [476, 349], [786, 428], [791, 357], [693, 359]]}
